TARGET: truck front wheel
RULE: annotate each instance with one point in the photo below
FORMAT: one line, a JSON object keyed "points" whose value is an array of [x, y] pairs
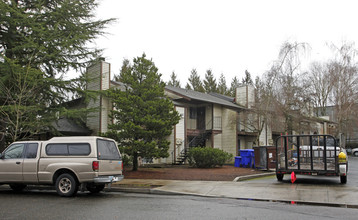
{"points": [[66, 185]]}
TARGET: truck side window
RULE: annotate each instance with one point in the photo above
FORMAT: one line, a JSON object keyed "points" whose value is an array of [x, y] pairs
{"points": [[56, 149], [31, 151], [80, 149], [14, 151]]}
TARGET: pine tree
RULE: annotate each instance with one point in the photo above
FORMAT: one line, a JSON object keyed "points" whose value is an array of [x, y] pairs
{"points": [[39, 42], [222, 88], [143, 115], [173, 80], [126, 66], [234, 84], [195, 82], [247, 80], [210, 82]]}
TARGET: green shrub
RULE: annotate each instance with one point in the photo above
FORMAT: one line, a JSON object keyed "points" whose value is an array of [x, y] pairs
{"points": [[207, 157], [126, 160]]}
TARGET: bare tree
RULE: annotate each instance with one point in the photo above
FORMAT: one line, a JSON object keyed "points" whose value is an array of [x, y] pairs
{"points": [[319, 83], [287, 88], [344, 73]]}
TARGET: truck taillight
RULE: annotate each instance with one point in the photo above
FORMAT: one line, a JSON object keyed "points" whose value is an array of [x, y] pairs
{"points": [[122, 165], [95, 165]]}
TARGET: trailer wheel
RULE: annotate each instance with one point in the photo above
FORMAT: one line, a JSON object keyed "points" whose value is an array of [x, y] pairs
{"points": [[343, 179], [279, 176]]}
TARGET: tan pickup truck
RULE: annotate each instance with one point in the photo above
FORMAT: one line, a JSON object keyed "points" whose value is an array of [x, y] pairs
{"points": [[65, 162]]}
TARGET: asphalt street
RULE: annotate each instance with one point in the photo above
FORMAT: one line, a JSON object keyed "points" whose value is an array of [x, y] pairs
{"points": [[46, 204]]}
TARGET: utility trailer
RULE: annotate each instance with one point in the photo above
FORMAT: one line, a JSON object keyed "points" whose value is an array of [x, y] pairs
{"points": [[316, 155]]}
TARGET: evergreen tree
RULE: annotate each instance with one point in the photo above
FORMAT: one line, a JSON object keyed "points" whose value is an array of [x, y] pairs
{"points": [[234, 84], [188, 87], [210, 82], [126, 66], [39, 42], [195, 82], [222, 88], [247, 80], [173, 80], [143, 115]]}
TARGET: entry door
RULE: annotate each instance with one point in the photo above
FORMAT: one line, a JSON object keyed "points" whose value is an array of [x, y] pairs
{"points": [[201, 118], [11, 163]]}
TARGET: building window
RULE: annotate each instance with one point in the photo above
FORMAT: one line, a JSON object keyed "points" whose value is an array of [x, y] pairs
{"points": [[193, 113]]}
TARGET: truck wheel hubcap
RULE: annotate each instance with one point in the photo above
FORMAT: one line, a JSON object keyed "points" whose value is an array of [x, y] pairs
{"points": [[65, 185]]}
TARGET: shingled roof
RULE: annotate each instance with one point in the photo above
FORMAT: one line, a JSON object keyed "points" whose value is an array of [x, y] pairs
{"points": [[190, 95]]}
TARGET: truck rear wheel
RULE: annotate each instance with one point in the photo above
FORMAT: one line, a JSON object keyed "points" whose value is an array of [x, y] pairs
{"points": [[66, 185], [343, 179], [95, 188], [17, 187]]}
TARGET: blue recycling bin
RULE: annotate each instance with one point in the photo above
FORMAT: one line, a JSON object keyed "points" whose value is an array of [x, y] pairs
{"points": [[247, 158], [237, 161]]}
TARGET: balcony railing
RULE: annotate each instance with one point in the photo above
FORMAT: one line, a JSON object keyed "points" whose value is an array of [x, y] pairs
{"points": [[215, 124]]}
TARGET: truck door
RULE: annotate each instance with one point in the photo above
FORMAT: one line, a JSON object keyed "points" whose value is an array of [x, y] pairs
{"points": [[11, 163], [31, 156]]}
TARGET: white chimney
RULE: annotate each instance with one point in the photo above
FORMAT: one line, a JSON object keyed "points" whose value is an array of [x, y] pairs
{"points": [[245, 96]]}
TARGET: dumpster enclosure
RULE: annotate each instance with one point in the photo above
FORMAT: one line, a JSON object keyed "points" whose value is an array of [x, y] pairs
{"points": [[265, 157]]}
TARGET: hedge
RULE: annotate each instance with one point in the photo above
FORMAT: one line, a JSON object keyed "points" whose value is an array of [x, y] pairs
{"points": [[207, 157]]}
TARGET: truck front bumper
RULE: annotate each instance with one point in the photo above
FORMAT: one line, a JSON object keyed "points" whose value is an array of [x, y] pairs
{"points": [[108, 179]]}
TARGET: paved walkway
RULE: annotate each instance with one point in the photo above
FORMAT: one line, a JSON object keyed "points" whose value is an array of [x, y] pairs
{"points": [[341, 196]]}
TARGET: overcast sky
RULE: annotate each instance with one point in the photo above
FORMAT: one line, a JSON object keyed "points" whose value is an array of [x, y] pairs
{"points": [[226, 36]]}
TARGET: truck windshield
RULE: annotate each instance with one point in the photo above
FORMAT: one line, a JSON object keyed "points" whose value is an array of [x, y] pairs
{"points": [[107, 150]]}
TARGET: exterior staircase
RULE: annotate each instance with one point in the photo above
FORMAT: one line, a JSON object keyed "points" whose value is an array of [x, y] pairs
{"points": [[181, 158]]}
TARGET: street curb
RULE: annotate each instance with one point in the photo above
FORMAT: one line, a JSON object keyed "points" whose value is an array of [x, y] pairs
{"points": [[247, 177], [161, 192], [144, 191]]}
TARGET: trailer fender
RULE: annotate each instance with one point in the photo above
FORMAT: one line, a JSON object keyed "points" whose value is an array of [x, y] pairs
{"points": [[342, 169]]}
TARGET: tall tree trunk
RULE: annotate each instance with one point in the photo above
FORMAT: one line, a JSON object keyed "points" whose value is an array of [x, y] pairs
{"points": [[135, 162]]}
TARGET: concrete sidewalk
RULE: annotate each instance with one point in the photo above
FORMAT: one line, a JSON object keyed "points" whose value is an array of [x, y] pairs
{"points": [[338, 196]]}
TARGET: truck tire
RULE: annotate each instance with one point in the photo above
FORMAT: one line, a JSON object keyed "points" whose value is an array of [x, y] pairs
{"points": [[355, 154], [17, 187], [95, 188], [66, 185], [279, 176], [343, 179]]}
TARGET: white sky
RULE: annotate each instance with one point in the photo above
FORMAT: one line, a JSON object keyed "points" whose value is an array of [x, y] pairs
{"points": [[226, 36]]}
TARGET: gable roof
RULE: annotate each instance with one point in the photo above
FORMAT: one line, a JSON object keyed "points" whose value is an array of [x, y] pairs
{"points": [[190, 95]]}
